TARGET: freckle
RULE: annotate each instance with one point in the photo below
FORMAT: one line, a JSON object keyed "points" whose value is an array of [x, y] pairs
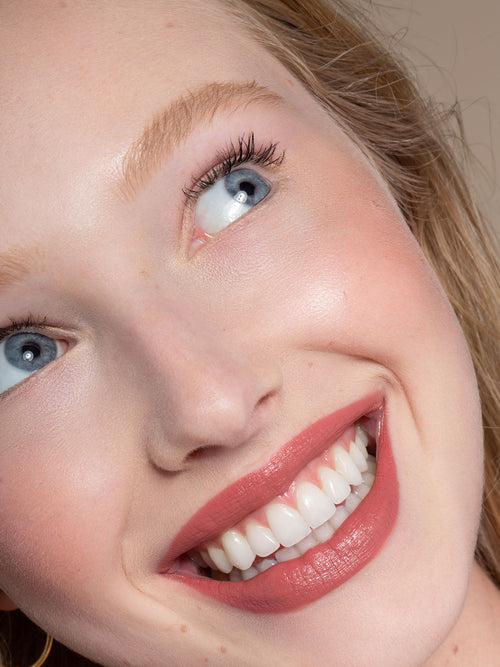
{"points": [[223, 649], [198, 607], [455, 649], [170, 25], [184, 628]]}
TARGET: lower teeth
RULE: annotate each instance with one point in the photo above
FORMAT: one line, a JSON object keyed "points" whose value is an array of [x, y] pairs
{"points": [[319, 535]]}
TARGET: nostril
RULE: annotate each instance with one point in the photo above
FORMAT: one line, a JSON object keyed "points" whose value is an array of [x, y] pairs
{"points": [[267, 398], [204, 452], [196, 453]]}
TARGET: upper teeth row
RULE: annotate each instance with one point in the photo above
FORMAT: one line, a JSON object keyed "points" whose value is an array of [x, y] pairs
{"points": [[288, 525]]}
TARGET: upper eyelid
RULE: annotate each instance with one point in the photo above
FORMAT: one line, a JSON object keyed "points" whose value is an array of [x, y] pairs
{"points": [[29, 323], [176, 123], [246, 151], [7, 332], [55, 332]]}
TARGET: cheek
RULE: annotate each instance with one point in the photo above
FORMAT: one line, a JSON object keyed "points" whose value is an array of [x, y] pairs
{"points": [[62, 492], [363, 274], [340, 272]]}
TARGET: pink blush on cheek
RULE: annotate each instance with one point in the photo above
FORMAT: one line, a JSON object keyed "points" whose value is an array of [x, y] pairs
{"points": [[57, 522], [46, 540]]}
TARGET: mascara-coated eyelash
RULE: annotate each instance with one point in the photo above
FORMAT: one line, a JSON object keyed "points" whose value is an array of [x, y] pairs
{"points": [[231, 189], [245, 151]]}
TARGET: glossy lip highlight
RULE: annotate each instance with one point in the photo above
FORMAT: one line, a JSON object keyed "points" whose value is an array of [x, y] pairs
{"points": [[295, 583]]}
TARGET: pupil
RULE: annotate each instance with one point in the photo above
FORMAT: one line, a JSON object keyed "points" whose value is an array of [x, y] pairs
{"points": [[247, 187], [30, 352]]}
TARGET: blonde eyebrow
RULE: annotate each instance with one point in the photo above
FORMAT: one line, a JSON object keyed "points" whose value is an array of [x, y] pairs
{"points": [[18, 263], [169, 128]]}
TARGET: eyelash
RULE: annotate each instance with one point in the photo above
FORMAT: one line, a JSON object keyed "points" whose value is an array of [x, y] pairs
{"points": [[245, 151], [29, 324]]}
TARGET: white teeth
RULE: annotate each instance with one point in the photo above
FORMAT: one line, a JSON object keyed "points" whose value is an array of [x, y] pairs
{"points": [[204, 555], [345, 465], [265, 564], [237, 549], [358, 457], [362, 440], [261, 539], [333, 484], [307, 543], [293, 530], [371, 462], [314, 505], [368, 478], [220, 559], [287, 554], [339, 517], [249, 573], [286, 524], [351, 502], [362, 490], [324, 532]]}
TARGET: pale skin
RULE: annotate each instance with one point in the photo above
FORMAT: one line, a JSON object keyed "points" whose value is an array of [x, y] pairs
{"points": [[312, 299]]}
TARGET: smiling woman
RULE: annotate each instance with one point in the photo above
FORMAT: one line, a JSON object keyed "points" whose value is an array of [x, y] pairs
{"points": [[248, 348]]}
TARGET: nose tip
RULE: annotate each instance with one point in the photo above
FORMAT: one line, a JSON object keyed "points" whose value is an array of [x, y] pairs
{"points": [[217, 403]]}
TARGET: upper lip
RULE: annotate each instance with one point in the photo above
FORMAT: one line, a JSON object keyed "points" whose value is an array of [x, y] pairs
{"points": [[259, 487]]}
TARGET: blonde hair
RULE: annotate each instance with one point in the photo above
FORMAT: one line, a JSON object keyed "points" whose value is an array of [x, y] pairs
{"points": [[331, 47], [335, 52]]}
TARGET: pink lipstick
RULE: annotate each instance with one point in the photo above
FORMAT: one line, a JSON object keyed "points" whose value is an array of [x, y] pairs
{"points": [[292, 584]]}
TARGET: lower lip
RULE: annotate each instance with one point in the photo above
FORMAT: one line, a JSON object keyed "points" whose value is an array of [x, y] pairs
{"points": [[293, 584]]}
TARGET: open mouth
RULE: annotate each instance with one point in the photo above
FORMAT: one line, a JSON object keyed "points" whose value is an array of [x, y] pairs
{"points": [[311, 518], [314, 506]]}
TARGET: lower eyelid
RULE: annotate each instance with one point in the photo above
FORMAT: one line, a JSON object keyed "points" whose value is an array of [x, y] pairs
{"points": [[13, 383], [222, 209], [197, 238]]}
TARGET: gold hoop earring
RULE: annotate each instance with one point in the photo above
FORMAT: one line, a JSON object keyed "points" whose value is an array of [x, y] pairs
{"points": [[45, 652]]}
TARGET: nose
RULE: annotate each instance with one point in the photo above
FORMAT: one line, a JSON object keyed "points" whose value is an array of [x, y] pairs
{"points": [[209, 393]]}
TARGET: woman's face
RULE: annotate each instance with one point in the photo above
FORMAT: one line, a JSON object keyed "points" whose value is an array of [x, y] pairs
{"points": [[201, 318]]}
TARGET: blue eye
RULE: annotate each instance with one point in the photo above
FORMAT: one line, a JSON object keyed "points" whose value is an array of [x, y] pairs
{"points": [[228, 199], [22, 354]]}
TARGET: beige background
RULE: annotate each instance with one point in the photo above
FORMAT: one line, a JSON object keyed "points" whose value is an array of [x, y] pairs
{"points": [[455, 45]]}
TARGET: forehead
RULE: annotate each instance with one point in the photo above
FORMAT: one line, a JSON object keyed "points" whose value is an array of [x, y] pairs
{"points": [[97, 47], [79, 80]]}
